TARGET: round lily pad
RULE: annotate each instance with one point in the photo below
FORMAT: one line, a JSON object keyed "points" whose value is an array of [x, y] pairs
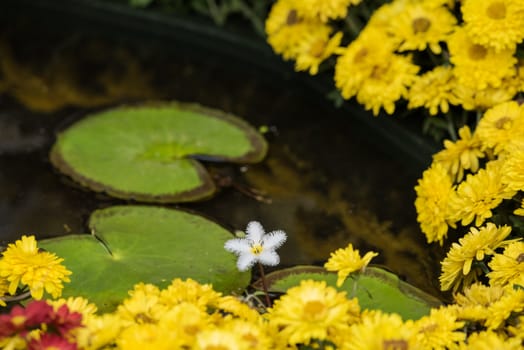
{"points": [[132, 244], [150, 152], [375, 288]]}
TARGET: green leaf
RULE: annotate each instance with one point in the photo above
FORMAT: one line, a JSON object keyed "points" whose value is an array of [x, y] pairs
{"points": [[375, 289], [131, 244], [149, 153]]}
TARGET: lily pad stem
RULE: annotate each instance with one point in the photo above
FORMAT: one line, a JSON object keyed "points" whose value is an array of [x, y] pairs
{"points": [[264, 284], [19, 297]]}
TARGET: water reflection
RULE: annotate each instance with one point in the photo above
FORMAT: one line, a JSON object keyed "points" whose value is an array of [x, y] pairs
{"points": [[330, 180]]}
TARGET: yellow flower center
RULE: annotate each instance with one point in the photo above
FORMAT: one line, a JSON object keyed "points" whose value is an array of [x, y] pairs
{"points": [[292, 17], [317, 48], [421, 25], [501, 122], [216, 347], [477, 52], [18, 320], [361, 55], [395, 344], [496, 10], [378, 72], [256, 249], [314, 309]]}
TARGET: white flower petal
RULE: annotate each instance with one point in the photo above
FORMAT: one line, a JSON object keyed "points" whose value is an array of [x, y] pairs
{"points": [[254, 231], [269, 257], [238, 246], [274, 240], [245, 261]]}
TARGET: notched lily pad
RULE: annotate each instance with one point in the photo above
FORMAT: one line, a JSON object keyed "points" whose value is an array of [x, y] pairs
{"points": [[375, 289], [150, 153], [132, 244]]}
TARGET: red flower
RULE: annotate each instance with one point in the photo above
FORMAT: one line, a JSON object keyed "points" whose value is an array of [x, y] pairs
{"points": [[49, 341], [21, 320], [64, 320], [38, 312]]}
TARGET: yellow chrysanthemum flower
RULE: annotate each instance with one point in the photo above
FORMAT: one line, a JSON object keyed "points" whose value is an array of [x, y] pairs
{"points": [[419, 26], [223, 339], [433, 90], [495, 23], [315, 48], [472, 304], [202, 295], [359, 60], [499, 125], [479, 194], [253, 334], [489, 340], [22, 264], [76, 304], [347, 260], [185, 320], [231, 305], [513, 169], [473, 99], [312, 310], [378, 330], [147, 336], [4, 289], [370, 70], [283, 13], [140, 307], [460, 155], [433, 192], [478, 66], [284, 28], [324, 10], [439, 330], [474, 246], [388, 83], [508, 267], [512, 301], [381, 18], [99, 332], [489, 305]]}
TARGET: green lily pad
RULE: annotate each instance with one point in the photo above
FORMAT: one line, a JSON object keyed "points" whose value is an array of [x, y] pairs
{"points": [[150, 153], [131, 244], [375, 289]]}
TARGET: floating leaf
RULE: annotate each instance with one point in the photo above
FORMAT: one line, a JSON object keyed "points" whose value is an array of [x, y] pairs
{"points": [[132, 244], [149, 153], [375, 289]]}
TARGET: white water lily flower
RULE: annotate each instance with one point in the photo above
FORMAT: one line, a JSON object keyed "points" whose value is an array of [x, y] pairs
{"points": [[257, 246]]}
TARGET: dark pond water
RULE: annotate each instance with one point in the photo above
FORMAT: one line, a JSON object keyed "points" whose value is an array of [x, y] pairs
{"points": [[331, 180]]}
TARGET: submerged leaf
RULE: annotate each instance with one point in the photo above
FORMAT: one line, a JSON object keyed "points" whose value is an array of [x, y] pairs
{"points": [[149, 153], [132, 244]]}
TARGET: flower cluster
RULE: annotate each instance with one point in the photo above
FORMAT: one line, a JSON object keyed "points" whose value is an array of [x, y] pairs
{"points": [[475, 185], [40, 325], [434, 54], [23, 265], [190, 315]]}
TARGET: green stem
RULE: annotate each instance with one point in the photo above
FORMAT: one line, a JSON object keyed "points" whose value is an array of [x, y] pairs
{"points": [[19, 297], [264, 284], [451, 127]]}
